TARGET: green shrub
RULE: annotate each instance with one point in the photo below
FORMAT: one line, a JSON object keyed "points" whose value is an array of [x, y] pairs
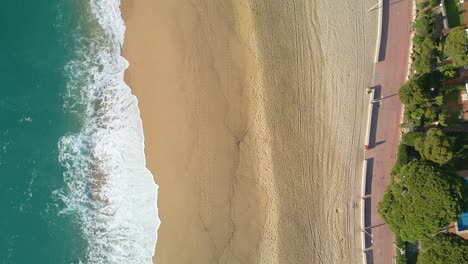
{"points": [[425, 23], [402, 159], [443, 249], [434, 146], [430, 116], [439, 100], [434, 3], [413, 93], [400, 248], [408, 138], [421, 6], [417, 39], [443, 118], [423, 55]]}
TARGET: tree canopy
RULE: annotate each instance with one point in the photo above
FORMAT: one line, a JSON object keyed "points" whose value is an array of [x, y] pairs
{"points": [[423, 55], [421, 201], [402, 159], [434, 3], [413, 93], [424, 23], [444, 249], [434, 146], [456, 47], [409, 138]]}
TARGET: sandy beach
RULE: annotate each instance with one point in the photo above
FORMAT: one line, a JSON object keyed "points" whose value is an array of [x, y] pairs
{"points": [[253, 114]]}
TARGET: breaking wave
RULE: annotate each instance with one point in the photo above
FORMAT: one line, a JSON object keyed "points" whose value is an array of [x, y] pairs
{"points": [[109, 187]]}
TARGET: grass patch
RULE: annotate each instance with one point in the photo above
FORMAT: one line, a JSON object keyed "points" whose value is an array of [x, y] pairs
{"points": [[454, 15], [451, 101]]}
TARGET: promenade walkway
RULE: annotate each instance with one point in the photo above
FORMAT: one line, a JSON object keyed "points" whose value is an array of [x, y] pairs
{"points": [[389, 76]]}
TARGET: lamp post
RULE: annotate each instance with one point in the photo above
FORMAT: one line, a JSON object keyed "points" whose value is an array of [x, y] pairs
{"points": [[402, 251], [370, 235], [379, 100]]}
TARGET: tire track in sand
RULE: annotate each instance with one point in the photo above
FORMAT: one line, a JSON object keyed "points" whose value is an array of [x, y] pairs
{"points": [[317, 63]]}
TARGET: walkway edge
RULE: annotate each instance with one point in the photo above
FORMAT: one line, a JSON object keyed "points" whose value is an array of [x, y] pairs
{"points": [[369, 118], [363, 179], [363, 211]]}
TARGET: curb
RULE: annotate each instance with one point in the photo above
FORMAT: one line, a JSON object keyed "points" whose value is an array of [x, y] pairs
{"points": [[369, 118], [363, 212], [364, 178]]}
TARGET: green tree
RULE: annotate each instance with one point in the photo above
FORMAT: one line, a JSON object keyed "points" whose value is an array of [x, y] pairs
{"points": [[434, 146], [434, 3], [417, 39], [430, 115], [412, 93], [402, 159], [456, 47], [416, 113], [423, 55], [409, 138], [450, 74], [421, 201], [424, 23], [444, 249], [439, 100], [443, 118], [449, 70]]}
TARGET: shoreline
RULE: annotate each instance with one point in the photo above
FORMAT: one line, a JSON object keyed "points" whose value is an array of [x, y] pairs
{"points": [[228, 100]]}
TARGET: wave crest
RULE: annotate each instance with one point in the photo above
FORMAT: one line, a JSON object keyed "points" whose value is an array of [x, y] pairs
{"points": [[109, 186]]}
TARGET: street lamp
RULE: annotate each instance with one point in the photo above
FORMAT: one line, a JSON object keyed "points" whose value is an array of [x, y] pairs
{"points": [[379, 100], [402, 251], [370, 235]]}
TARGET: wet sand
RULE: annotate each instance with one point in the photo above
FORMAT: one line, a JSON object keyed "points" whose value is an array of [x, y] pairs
{"points": [[254, 120]]}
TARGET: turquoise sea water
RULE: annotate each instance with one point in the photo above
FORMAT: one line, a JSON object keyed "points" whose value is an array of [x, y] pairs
{"points": [[73, 183]]}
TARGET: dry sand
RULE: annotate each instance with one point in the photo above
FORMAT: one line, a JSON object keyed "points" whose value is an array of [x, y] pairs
{"points": [[253, 113]]}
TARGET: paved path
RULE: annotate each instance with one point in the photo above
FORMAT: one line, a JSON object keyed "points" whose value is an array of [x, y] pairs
{"points": [[390, 74]]}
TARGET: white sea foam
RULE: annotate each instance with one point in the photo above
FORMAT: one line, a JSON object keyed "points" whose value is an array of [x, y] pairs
{"points": [[109, 186]]}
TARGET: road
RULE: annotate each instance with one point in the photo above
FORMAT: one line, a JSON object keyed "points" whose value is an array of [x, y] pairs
{"points": [[390, 74]]}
